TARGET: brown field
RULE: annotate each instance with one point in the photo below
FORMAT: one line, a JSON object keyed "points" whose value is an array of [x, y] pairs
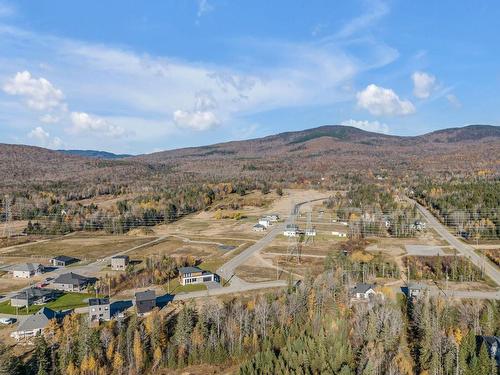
{"points": [[84, 246]]}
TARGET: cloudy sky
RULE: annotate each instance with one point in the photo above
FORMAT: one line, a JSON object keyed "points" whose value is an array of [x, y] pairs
{"points": [[136, 77]]}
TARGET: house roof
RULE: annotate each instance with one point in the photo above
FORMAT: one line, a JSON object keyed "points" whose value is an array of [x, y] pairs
{"points": [[291, 227], [26, 267], [183, 270], [65, 258], [72, 278], [38, 320], [34, 293], [121, 257], [258, 226], [98, 301], [146, 295], [362, 288], [415, 286]]}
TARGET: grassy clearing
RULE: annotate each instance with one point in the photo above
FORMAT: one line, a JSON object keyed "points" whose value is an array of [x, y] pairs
{"points": [[176, 287], [65, 302]]}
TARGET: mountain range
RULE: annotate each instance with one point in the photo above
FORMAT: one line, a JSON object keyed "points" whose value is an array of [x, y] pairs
{"points": [[323, 151]]}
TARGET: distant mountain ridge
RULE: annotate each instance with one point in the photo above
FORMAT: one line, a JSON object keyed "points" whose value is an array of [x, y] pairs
{"points": [[290, 156], [95, 154]]}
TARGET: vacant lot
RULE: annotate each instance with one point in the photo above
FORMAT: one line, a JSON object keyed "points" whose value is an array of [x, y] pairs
{"points": [[84, 246]]}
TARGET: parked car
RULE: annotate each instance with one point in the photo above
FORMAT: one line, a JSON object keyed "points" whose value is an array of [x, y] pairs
{"points": [[7, 321]]}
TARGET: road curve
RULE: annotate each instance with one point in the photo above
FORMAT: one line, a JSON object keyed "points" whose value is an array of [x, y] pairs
{"points": [[464, 249]]}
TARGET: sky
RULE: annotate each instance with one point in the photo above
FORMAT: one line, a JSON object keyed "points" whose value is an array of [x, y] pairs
{"points": [[139, 77]]}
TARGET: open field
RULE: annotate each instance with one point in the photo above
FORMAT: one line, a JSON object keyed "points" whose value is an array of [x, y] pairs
{"points": [[84, 246]]}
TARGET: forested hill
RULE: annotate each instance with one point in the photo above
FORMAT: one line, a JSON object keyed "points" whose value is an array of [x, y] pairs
{"points": [[95, 154], [288, 157]]}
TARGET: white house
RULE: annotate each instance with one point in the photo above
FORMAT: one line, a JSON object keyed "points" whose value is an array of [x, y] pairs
{"points": [[273, 217], [291, 230], [363, 292], [265, 222], [311, 232], [34, 324], [195, 275], [339, 234], [26, 270], [258, 228]]}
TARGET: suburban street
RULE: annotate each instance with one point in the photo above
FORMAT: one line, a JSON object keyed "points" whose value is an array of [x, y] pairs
{"points": [[464, 249]]}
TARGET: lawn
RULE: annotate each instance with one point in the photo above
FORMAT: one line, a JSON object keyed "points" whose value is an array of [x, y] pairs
{"points": [[176, 288], [65, 302]]}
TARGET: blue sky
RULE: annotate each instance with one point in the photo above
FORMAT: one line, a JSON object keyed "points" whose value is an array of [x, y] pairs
{"points": [[137, 77]]}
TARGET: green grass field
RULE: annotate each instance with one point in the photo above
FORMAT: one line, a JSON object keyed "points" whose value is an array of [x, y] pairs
{"points": [[65, 302]]}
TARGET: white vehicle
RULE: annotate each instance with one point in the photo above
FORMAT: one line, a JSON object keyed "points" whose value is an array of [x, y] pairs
{"points": [[7, 321]]}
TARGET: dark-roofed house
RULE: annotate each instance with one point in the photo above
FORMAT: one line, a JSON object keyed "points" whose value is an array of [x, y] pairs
{"points": [[145, 302], [492, 344], [26, 270], [195, 275], [362, 292], [119, 262], [34, 324], [72, 282], [33, 296], [99, 309], [63, 261]]}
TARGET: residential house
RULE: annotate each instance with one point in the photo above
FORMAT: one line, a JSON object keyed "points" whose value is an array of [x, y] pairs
{"points": [[119, 262], [413, 290], [145, 302], [195, 275], [363, 292], [273, 217], [26, 270], [33, 296], [492, 345], [339, 234], [72, 282], [265, 222], [34, 324], [63, 261], [291, 230], [258, 228], [99, 309], [419, 225], [311, 232]]}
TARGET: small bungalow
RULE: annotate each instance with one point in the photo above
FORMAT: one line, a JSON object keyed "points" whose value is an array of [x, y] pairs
{"points": [[33, 296], [26, 270], [414, 290], [195, 275], [339, 234], [363, 292], [311, 232], [34, 324], [72, 282], [273, 217], [265, 222], [119, 262], [258, 228], [291, 230], [63, 261], [99, 309], [145, 302]]}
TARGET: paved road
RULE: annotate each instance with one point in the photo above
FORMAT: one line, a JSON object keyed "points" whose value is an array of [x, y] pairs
{"points": [[466, 250], [226, 271]]}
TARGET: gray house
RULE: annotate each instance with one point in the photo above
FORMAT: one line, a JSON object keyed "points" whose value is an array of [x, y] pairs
{"points": [[145, 302], [33, 296], [34, 324], [63, 261], [72, 282], [119, 262], [362, 291], [99, 309], [26, 270]]}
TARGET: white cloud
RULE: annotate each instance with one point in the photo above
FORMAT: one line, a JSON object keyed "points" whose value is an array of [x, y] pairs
{"points": [[454, 101], [83, 122], [381, 101], [39, 93], [371, 126], [423, 84], [376, 11], [6, 10], [195, 120], [42, 138], [204, 7], [49, 119]]}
